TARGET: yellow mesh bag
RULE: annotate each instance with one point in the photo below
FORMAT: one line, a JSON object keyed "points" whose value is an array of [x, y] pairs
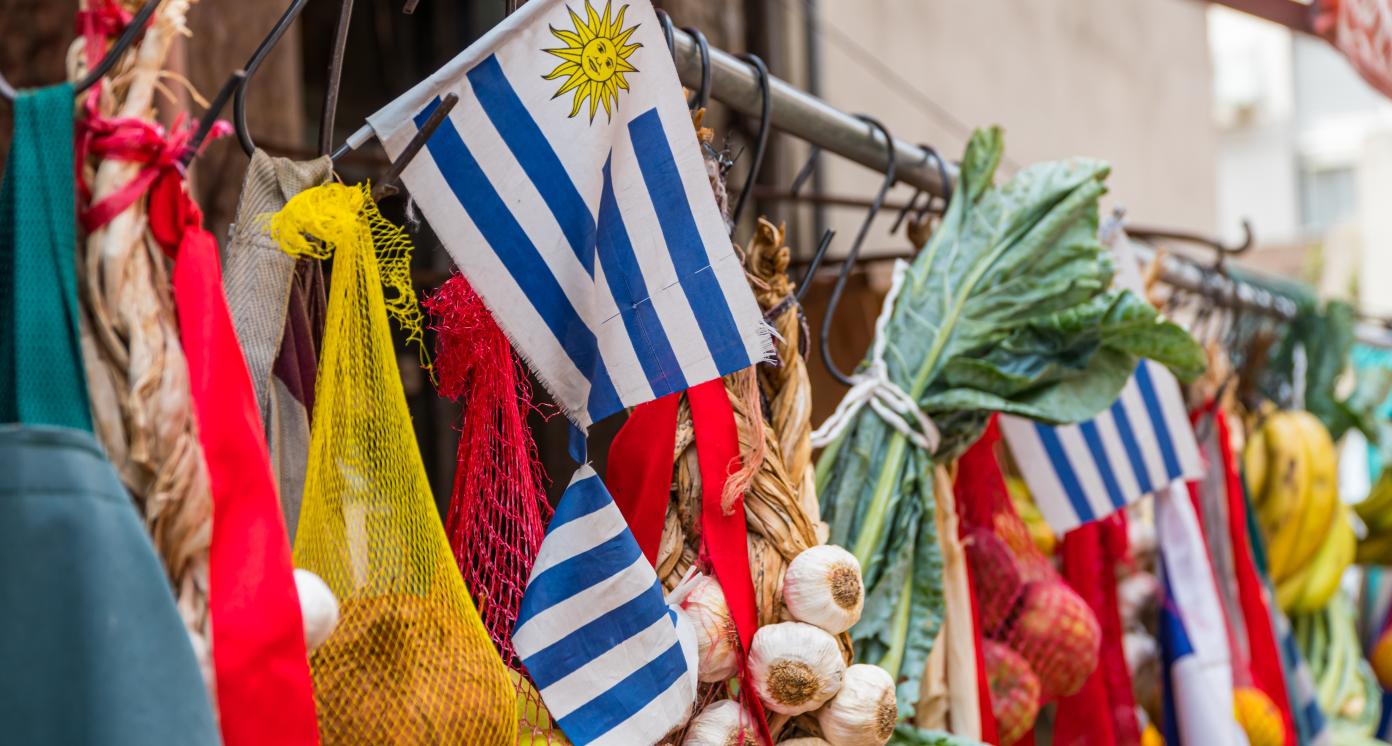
{"points": [[410, 661]]}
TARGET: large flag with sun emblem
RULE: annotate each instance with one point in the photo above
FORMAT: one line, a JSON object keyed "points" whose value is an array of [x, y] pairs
{"points": [[568, 186]]}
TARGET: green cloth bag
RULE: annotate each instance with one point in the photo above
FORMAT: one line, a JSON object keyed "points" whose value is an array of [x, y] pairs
{"points": [[92, 648]]}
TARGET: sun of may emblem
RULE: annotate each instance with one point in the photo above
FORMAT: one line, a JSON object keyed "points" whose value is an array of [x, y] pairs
{"points": [[594, 59]]}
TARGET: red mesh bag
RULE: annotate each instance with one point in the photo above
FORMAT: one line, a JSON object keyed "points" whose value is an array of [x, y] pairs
{"points": [[1024, 603], [498, 510]]}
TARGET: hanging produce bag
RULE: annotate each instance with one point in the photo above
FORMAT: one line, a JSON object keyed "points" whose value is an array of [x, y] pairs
{"points": [[498, 510], [410, 661], [93, 647]]}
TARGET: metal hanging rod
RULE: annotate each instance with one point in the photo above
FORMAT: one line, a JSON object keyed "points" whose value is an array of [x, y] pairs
{"points": [[802, 115]]}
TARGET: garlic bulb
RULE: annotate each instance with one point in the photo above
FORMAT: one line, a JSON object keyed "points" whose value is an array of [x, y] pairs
{"points": [[795, 666], [823, 587], [863, 713], [717, 640], [318, 608], [723, 723]]}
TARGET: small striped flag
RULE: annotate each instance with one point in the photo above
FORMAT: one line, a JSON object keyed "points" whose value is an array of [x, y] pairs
{"points": [[614, 663], [1080, 473], [569, 187]]}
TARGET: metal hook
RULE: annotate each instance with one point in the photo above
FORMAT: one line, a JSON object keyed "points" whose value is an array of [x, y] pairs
{"points": [[761, 142], [257, 57], [668, 32], [805, 172], [814, 265], [701, 96], [133, 30], [205, 124], [387, 186], [912, 205], [1222, 250], [330, 108], [840, 286]]}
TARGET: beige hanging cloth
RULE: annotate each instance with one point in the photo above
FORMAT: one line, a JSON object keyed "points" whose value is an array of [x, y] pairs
{"points": [[277, 304]]}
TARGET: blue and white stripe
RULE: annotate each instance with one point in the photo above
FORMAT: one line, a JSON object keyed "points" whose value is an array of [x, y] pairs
{"points": [[598, 246], [612, 661], [1084, 472]]}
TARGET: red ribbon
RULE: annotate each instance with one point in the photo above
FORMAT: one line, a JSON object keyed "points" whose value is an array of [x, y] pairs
{"points": [[978, 470], [101, 21], [641, 483], [265, 696], [1263, 652], [644, 448]]}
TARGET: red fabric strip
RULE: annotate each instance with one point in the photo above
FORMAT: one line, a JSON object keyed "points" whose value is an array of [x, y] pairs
{"points": [[265, 696], [1263, 652], [643, 452], [976, 469], [726, 536]]}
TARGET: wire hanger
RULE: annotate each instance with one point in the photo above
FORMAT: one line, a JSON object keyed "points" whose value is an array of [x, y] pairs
{"points": [[912, 205], [761, 141], [262, 51], [668, 33], [330, 107], [701, 96], [854, 253], [132, 31]]}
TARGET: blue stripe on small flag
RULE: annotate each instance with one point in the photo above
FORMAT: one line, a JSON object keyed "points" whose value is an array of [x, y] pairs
{"points": [[1133, 449], [536, 156], [684, 242], [574, 575], [625, 278], [524, 263], [598, 716], [561, 658], [1157, 419], [1067, 476], [581, 498], [1103, 461]]}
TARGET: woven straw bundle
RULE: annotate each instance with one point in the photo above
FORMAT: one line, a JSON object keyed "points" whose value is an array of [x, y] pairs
{"points": [[137, 377]]}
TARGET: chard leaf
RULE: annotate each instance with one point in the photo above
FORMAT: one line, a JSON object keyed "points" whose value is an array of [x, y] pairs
{"points": [[1007, 309]]}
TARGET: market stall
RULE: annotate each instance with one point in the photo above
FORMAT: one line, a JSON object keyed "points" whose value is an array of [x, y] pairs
{"points": [[1085, 485]]}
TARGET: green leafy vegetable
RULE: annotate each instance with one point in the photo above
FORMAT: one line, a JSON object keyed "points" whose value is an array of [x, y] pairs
{"points": [[1007, 309], [907, 735]]}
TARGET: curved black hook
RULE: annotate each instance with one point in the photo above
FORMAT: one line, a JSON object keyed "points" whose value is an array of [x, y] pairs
{"points": [[133, 30], [761, 142], [239, 101], [668, 33], [330, 107], [840, 286], [912, 205], [701, 96]]}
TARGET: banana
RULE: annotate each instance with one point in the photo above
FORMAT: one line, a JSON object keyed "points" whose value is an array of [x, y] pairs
{"points": [[1326, 569], [1375, 549], [1254, 466], [1287, 485], [1376, 508], [1321, 507]]}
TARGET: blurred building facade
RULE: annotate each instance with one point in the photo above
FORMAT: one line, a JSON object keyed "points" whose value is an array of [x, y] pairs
{"points": [[1305, 153]]}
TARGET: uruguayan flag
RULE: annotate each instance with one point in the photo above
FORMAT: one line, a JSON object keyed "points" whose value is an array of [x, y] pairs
{"points": [[569, 187], [613, 662], [1080, 473]]}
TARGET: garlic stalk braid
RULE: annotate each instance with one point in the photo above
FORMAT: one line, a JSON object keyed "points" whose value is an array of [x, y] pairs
{"points": [[135, 364], [786, 386]]}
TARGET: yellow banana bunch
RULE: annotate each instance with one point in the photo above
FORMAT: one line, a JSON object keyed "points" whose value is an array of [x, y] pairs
{"points": [[1039, 530], [1376, 509], [1291, 469], [1313, 583]]}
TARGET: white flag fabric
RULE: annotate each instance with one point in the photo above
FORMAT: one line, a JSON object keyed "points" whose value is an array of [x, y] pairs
{"points": [[1139, 445], [1193, 638], [569, 187], [614, 663]]}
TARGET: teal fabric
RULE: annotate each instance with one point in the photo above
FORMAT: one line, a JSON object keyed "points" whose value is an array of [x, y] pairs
{"points": [[92, 650], [41, 378]]}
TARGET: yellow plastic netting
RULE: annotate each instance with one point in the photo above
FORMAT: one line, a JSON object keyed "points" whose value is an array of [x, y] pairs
{"points": [[410, 662]]}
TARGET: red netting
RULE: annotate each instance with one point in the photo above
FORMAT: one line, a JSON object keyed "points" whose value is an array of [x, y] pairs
{"points": [[1025, 605], [498, 510]]}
